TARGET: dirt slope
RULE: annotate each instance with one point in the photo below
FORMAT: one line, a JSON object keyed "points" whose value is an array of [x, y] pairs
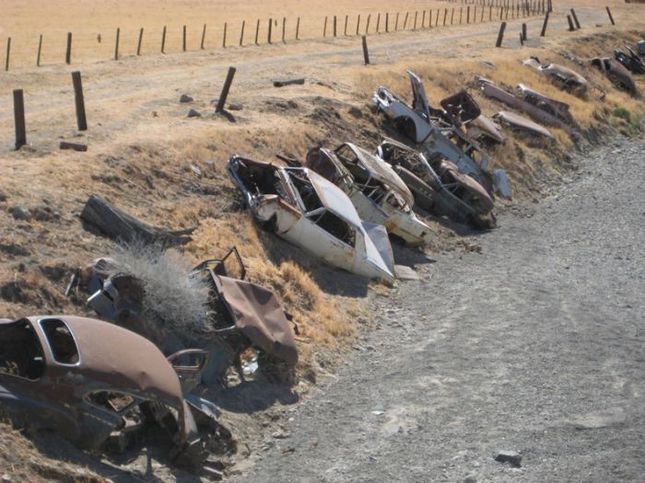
{"points": [[534, 345]]}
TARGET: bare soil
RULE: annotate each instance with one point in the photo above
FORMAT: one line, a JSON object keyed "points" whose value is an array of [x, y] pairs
{"points": [[535, 344]]}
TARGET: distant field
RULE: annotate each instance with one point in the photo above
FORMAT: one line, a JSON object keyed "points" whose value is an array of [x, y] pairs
{"points": [[25, 20]]}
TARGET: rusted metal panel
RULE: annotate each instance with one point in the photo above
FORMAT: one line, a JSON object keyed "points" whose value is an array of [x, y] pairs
{"points": [[515, 121]]}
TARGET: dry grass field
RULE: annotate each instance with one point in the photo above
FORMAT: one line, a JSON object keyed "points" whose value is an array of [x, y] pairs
{"points": [[88, 21], [143, 148]]}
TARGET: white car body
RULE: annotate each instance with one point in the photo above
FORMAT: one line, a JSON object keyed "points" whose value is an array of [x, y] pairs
{"points": [[311, 212]]}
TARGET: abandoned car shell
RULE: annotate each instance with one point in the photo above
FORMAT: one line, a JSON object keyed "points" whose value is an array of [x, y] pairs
{"points": [[376, 190], [307, 210], [520, 123], [59, 372], [617, 74], [535, 111], [563, 76], [441, 188]]}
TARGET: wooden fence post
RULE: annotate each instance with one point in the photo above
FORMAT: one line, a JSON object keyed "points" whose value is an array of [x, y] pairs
{"points": [[224, 36], [298, 29], [345, 29], [490, 13], [611, 18], [68, 50], [163, 40], [116, 44], [378, 23], [524, 32], [325, 28], [139, 41], [40, 46], [257, 31], [284, 27], [19, 118], [221, 102], [445, 15], [571, 27], [366, 55], [367, 24], [387, 22], [6, 61], [270, 28], [423, 19], [358, 23], [546, 21], [242, 33], [500, 35], [396, 23], [81, 120], [405, 22], [481, 20], [575, 18], [183, 39], [468, 14], [416, 14], [201, 43], [452, 15]]}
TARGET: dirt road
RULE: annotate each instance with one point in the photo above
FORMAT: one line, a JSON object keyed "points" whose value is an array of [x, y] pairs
{"points": [[536, 345]]}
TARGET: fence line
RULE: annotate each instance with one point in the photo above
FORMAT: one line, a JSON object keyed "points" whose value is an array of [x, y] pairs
{"points": [[496, 8]]}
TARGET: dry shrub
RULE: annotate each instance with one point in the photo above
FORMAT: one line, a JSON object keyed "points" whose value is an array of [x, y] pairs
{"points": [[170, 294]]}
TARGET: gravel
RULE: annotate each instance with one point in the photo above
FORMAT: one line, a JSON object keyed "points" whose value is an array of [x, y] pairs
{"points": [[534, 345]]}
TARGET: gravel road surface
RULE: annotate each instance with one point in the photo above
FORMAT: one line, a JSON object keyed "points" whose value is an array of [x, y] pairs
{"points": [[535, 345]]}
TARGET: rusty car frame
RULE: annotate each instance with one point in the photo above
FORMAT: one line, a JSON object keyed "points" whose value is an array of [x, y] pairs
{"points": [[617, 74], [376, 190], [440, 133], [565, 78], [538, 106], [309, 211], [94, 383], [439, 188]]}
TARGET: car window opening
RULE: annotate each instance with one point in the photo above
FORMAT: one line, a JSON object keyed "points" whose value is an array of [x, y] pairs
{"points": [[61, 341], [21, 354]]}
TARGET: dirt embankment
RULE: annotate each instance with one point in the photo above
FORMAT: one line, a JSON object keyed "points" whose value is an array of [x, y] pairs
{"points": [[144, 151]]}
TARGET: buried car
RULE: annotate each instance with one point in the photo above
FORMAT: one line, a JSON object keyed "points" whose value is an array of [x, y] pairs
{"points": [[376, 190], [96, 384], [307, 210], [560, 75], [540, 107], [617, 74], [439, 132], [440, 187]]}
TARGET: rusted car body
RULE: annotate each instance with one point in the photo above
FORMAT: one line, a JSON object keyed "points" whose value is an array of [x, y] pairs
{"points": [[307, 210], [534, 106], [440, 133], [253, 311], [93, 381], [617, 74], [376, 190], [560, 75], [547, 104], [440, 187], [519, 123], [630, 60], [484, 130]]}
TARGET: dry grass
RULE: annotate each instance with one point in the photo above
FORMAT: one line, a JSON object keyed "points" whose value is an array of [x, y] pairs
{"points": [[20, 460], [89, 20]]}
